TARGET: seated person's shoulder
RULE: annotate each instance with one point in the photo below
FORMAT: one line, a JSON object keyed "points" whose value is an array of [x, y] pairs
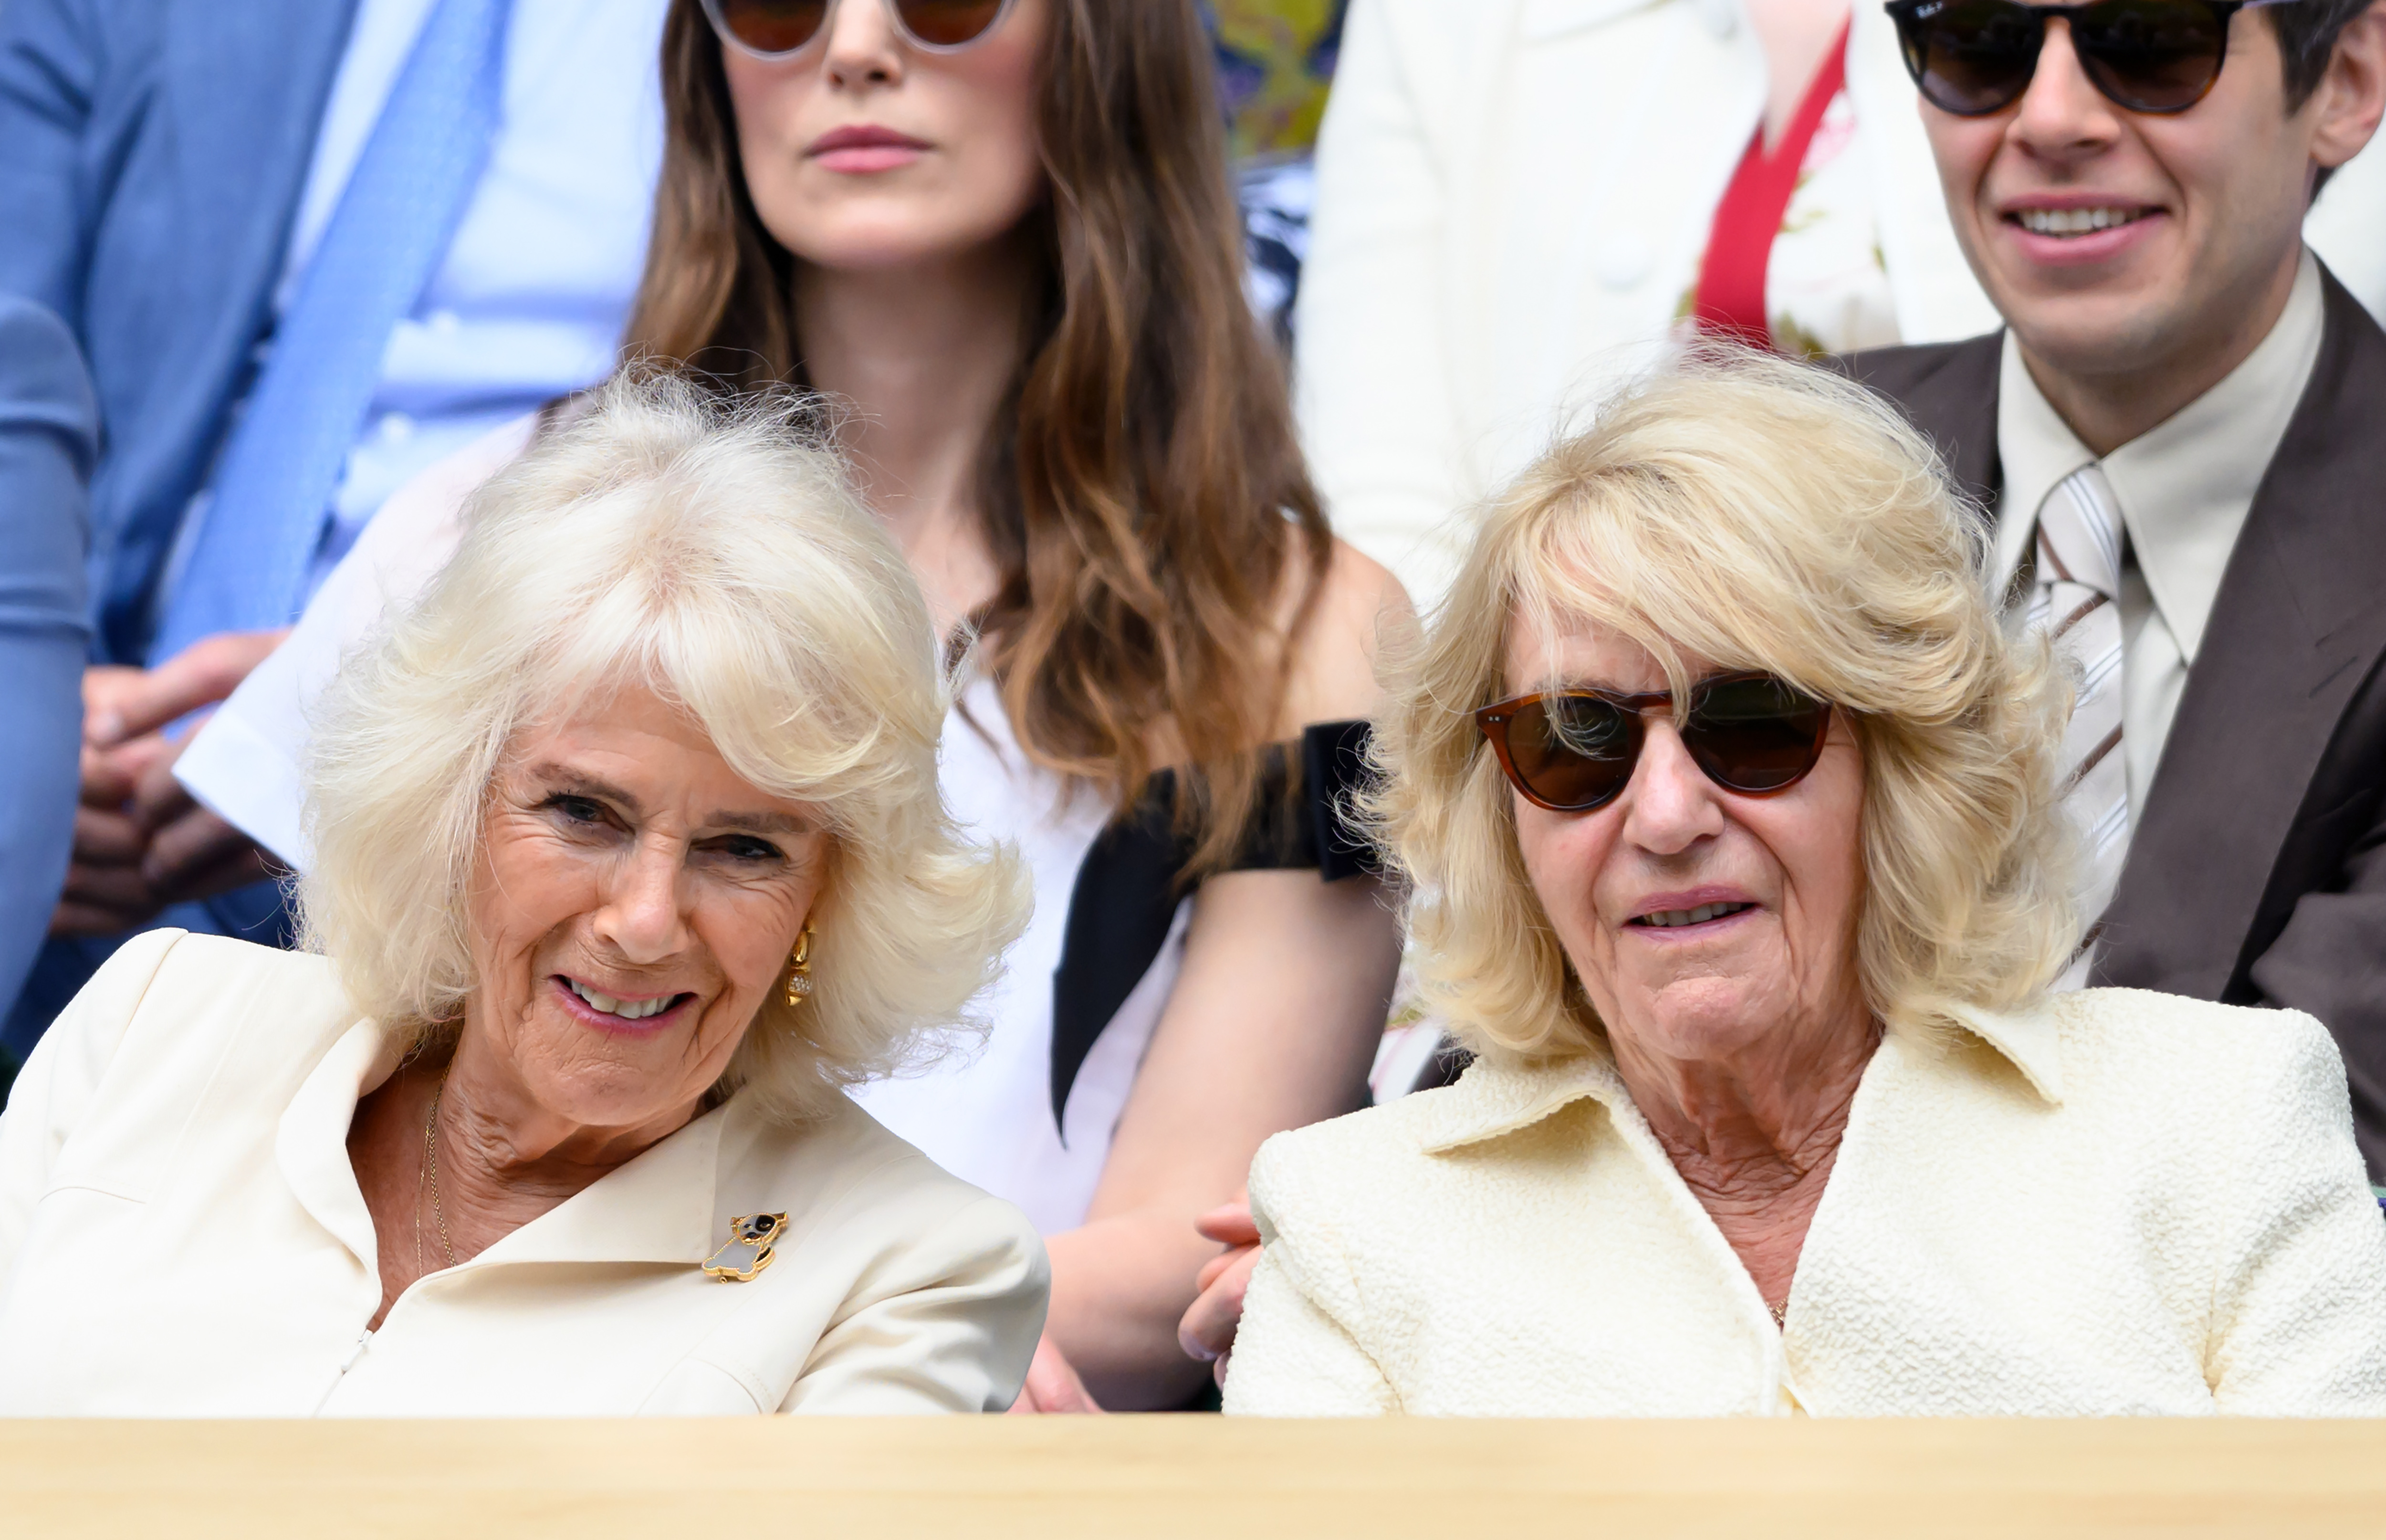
{"points": [[1362, 1165], [1333, 673], [192, 976], [874, 1191], [1896, 370], [935, 1291], [171, 1016], [2168, 1052]]}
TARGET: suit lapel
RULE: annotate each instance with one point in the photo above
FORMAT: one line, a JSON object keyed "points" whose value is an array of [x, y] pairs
{"points": [[1949, 393], [2296, 628], [247, 84]]}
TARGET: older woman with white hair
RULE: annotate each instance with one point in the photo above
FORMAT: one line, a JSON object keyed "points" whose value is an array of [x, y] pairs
{"points": [[1731, 822], [629, 859]]}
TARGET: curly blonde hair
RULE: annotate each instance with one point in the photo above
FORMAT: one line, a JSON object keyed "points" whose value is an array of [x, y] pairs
{"points": [[1759, 515], [714, 552]]}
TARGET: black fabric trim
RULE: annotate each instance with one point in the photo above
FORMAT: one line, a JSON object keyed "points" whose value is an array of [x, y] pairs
{"points": [[1119, 914], [1127, 890]]}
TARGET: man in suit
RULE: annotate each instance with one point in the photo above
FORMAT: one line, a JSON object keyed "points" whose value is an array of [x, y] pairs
{"points": [[282, 254], [2180, 438]]}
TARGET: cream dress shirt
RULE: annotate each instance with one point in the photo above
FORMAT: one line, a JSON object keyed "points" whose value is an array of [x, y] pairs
{"points": [[2184, 487], [2119, 1203], [1513, 196], [182, 1234]]}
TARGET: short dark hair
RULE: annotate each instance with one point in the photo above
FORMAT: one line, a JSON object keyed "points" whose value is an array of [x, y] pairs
{"points": [[2307, 32]]}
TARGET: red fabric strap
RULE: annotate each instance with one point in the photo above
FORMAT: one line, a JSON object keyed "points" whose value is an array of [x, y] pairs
{"points": [[1739, 247]]}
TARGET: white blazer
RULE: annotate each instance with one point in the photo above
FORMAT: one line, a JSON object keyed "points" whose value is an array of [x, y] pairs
{"points": [[182, 1234], [1513, 196], [2123, 1203]]}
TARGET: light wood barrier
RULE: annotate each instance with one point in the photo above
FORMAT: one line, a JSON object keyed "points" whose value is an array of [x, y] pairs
{"points": [[1061, 1478]]}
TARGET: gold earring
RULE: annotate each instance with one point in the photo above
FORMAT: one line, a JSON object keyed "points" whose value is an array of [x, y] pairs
{"points": [[799, 970]]}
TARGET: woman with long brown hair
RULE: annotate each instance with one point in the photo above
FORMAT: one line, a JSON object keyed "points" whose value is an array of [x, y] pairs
{"points": [[998, 235]]}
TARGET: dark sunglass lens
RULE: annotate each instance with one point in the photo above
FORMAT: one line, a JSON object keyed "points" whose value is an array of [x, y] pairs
{"points": [[1755, 735], [771, 26], [1971, 56], [1574, 751], [947, 23], [2151, 55]]}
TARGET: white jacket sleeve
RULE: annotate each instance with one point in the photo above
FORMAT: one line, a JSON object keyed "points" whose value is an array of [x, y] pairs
{"points": [[60, 1077], [947, 1324], [1373, 381], [1292, 1359], [2299, 1304]]}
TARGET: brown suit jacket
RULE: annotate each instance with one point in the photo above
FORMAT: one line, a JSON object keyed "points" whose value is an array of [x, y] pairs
{"points": [[2257, 872]]}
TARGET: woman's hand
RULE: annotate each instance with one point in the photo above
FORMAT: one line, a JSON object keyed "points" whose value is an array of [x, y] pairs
{"points": [[1053, 1385], [1207, 1330]]}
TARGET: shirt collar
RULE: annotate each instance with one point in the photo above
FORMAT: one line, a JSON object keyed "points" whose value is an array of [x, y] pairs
{"points": [[2185, 486], [1499, 1096], [2035, 450]]}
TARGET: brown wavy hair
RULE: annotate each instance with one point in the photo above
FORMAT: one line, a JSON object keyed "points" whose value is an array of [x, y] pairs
{"points": [[1145, 500]]}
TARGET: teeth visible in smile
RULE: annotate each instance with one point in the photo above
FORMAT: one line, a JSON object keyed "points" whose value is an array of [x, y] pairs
{"points": [[2076, 222], [1699, 915], [628, 1010]]}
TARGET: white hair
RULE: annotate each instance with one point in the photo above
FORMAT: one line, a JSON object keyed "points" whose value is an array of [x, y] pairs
{"points": [[715, 553]]}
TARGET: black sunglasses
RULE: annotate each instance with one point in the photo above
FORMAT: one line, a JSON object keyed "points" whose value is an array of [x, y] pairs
{"points": [[1973, 58], [1572, 750], [775, 28]]}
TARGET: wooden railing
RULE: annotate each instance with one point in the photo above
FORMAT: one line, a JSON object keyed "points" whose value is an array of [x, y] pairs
{"points": [[1127, 1478]]}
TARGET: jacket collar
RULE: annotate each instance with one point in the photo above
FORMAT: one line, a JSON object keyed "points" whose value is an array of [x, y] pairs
{"points": [[1498, 1096], [658, 1208]]}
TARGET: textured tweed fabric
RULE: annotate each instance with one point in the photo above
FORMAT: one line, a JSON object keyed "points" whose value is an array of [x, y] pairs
{"points": [[2123, 1203]]}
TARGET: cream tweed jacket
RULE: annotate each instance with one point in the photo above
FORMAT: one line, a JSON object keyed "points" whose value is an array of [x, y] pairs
{"points": [[2120, 1203]]}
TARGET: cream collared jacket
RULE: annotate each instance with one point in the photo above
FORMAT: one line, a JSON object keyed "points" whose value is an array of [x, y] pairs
{"points": [[1513, 197], [2123, 1203], [182, 1234]]}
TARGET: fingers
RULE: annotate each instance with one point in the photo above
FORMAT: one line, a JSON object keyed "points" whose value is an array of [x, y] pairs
{"points": [[157, 798], [201, 674], [198, 855], [140, 841], [1215, 1268], [104, 892], [104, 837], [112, 777], [102, 686], [1229, 1223], [114, 892], [1207, 1330], [1053, 1385]]}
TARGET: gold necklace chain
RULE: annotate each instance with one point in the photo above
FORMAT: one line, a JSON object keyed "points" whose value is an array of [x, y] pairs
{"points": [[430, 1164]]}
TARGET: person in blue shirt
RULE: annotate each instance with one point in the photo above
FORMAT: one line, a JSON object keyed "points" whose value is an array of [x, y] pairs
{"points": [[262, 264]]}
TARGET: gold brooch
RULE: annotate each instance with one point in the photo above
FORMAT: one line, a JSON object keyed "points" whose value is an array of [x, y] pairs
{"points": [[748, 1250]]}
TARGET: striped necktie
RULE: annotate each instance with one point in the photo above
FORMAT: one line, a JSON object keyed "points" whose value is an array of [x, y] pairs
{"points": [[259, 531], [2076, 602]]}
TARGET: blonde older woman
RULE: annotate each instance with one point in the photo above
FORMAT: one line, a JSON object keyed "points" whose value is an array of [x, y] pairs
{"points": [[629, 858], [1731, 822]]}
